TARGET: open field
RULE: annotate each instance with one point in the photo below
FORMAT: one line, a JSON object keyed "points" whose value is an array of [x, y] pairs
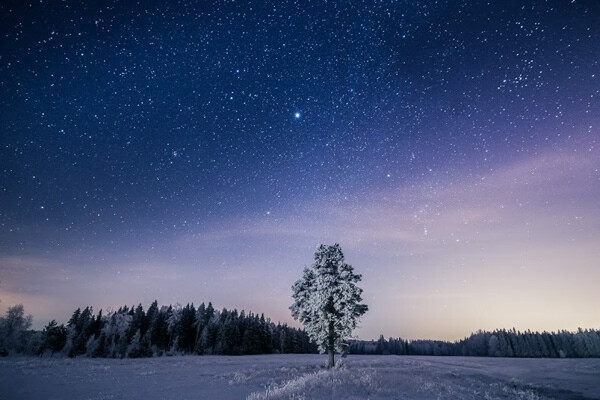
{"points": [[299, 377]]}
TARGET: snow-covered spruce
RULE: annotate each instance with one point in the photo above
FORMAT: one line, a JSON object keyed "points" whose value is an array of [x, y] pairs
{"points": [[327, 301]]}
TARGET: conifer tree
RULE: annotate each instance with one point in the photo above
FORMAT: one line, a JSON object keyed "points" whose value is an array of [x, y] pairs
{"points": [[54, 337], [327, 301]]}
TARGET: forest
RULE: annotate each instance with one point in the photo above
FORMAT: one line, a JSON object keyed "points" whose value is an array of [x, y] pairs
{"points": [[499, 343], [168, 330], [133, 332]]}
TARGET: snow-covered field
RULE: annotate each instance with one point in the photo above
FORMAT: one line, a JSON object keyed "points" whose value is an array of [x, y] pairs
{"points": [[299, 377]]}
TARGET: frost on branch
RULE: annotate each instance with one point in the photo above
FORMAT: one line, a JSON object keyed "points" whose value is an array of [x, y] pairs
{"points": [[327, 300]]}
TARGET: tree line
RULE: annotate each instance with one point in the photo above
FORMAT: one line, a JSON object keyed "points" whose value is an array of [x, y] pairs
{"points": [[134, 332], [499, 343]]}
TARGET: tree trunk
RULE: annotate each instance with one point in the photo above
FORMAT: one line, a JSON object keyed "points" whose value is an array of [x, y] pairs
{"points": [[331, 361], [331, 349]]}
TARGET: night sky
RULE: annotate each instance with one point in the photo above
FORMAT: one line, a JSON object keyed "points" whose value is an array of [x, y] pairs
{"points": [[200, 151]]}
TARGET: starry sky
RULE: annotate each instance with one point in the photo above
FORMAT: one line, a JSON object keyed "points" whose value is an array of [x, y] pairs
{"points": [[200, 151]]}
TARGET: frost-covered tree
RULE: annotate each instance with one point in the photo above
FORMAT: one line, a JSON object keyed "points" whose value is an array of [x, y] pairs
{"points": [[13, 330], [328, 301]]}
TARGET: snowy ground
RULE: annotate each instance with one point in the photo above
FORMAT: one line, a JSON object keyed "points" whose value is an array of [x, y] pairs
{"points": [[299, 377]]}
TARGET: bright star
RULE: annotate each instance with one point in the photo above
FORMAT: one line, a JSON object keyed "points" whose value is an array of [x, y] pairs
{"points": [[297, 115]]}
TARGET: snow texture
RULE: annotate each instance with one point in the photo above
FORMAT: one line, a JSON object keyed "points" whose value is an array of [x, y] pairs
{"points": [[299, 377]]}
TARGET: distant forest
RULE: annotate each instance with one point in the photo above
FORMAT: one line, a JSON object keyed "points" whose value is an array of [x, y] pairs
{"points": [[171, 330], [168, 330], [499, 343]]}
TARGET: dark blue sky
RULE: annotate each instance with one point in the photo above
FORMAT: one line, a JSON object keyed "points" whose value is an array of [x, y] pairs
{"points": [[129, 128]]}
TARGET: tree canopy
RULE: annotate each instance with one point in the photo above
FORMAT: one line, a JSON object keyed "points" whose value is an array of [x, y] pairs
{"points": [[327, 301]]}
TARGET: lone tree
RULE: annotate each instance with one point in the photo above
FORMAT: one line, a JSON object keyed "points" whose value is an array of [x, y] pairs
{"points": [[327, 301]]}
